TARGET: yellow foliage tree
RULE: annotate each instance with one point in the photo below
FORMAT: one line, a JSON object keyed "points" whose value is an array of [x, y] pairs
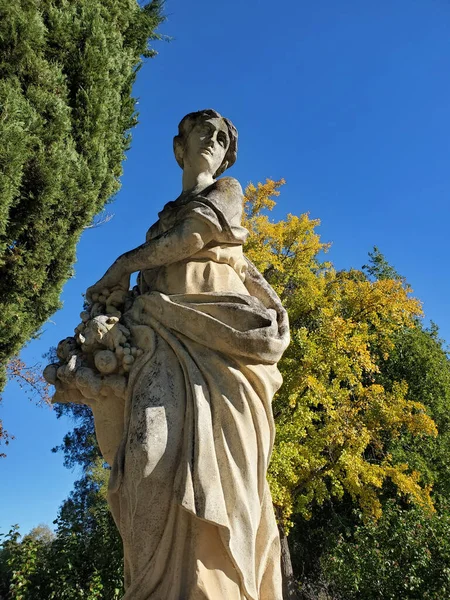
{"points": [[333, 417]]}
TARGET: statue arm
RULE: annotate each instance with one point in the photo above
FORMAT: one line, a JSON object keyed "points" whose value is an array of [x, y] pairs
{"points": [[182, 241], [179, 243]]}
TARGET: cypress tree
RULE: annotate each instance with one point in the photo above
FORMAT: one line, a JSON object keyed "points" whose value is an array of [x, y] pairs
{"points": [[66, 72]]}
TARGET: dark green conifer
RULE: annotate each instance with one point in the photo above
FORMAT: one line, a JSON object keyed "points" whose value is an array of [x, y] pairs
{"points": [[66, 72]]}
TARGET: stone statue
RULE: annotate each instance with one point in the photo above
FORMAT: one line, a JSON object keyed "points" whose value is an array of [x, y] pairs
{"points": [[180, 374]]}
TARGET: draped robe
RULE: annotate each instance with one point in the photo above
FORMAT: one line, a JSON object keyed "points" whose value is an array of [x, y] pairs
{"points": [[188, 487]]}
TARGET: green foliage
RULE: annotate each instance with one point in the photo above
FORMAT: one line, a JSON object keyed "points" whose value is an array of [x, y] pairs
{"points": [[420, 358], [83, 560], [66, 73], [379, 268], [22, 560], [405, 554], [79, 445]]}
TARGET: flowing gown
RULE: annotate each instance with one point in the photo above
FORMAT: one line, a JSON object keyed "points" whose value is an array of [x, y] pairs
{"points": [[188, 488]]}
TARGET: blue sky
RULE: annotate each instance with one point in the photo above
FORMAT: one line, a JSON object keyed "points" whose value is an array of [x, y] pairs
{"points": [[348, 101]]}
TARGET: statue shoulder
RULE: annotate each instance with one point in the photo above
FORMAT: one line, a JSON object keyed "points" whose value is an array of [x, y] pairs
{"points": [[229, 185]]}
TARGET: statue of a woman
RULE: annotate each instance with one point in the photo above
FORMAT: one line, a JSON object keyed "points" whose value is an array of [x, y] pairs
{"points": [[191, 442]]}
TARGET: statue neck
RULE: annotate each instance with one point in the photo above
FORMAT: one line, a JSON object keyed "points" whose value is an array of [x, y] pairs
{"points": [[196, 182]]}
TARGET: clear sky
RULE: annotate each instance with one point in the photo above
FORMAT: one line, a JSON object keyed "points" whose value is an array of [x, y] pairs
{"points": [[348, 101]]}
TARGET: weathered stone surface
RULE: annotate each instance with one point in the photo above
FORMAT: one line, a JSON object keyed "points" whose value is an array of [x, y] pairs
{"points": [[180, 374]]}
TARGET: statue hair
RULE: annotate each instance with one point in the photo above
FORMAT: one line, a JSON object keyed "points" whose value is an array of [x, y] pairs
{"points": [[187, 124]]}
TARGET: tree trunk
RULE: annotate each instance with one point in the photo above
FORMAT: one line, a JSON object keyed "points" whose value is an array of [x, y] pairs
{"points": [[289, 583]]}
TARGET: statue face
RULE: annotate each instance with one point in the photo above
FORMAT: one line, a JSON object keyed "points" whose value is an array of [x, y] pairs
{"points": [[206, 145]]}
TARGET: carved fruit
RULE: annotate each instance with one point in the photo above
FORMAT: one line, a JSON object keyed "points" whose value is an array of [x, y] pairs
{"points": [[50, 373], [66, 347], [106, 362]]}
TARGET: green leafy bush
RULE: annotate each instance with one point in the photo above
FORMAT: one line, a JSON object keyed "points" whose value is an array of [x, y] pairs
{"points": [[405, 554]]}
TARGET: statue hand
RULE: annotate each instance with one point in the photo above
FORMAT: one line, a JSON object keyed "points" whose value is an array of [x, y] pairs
{"points": [[114, 279]]}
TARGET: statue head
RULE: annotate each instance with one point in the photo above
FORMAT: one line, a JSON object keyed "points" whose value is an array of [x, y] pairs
{"points": [[207, 138]]}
